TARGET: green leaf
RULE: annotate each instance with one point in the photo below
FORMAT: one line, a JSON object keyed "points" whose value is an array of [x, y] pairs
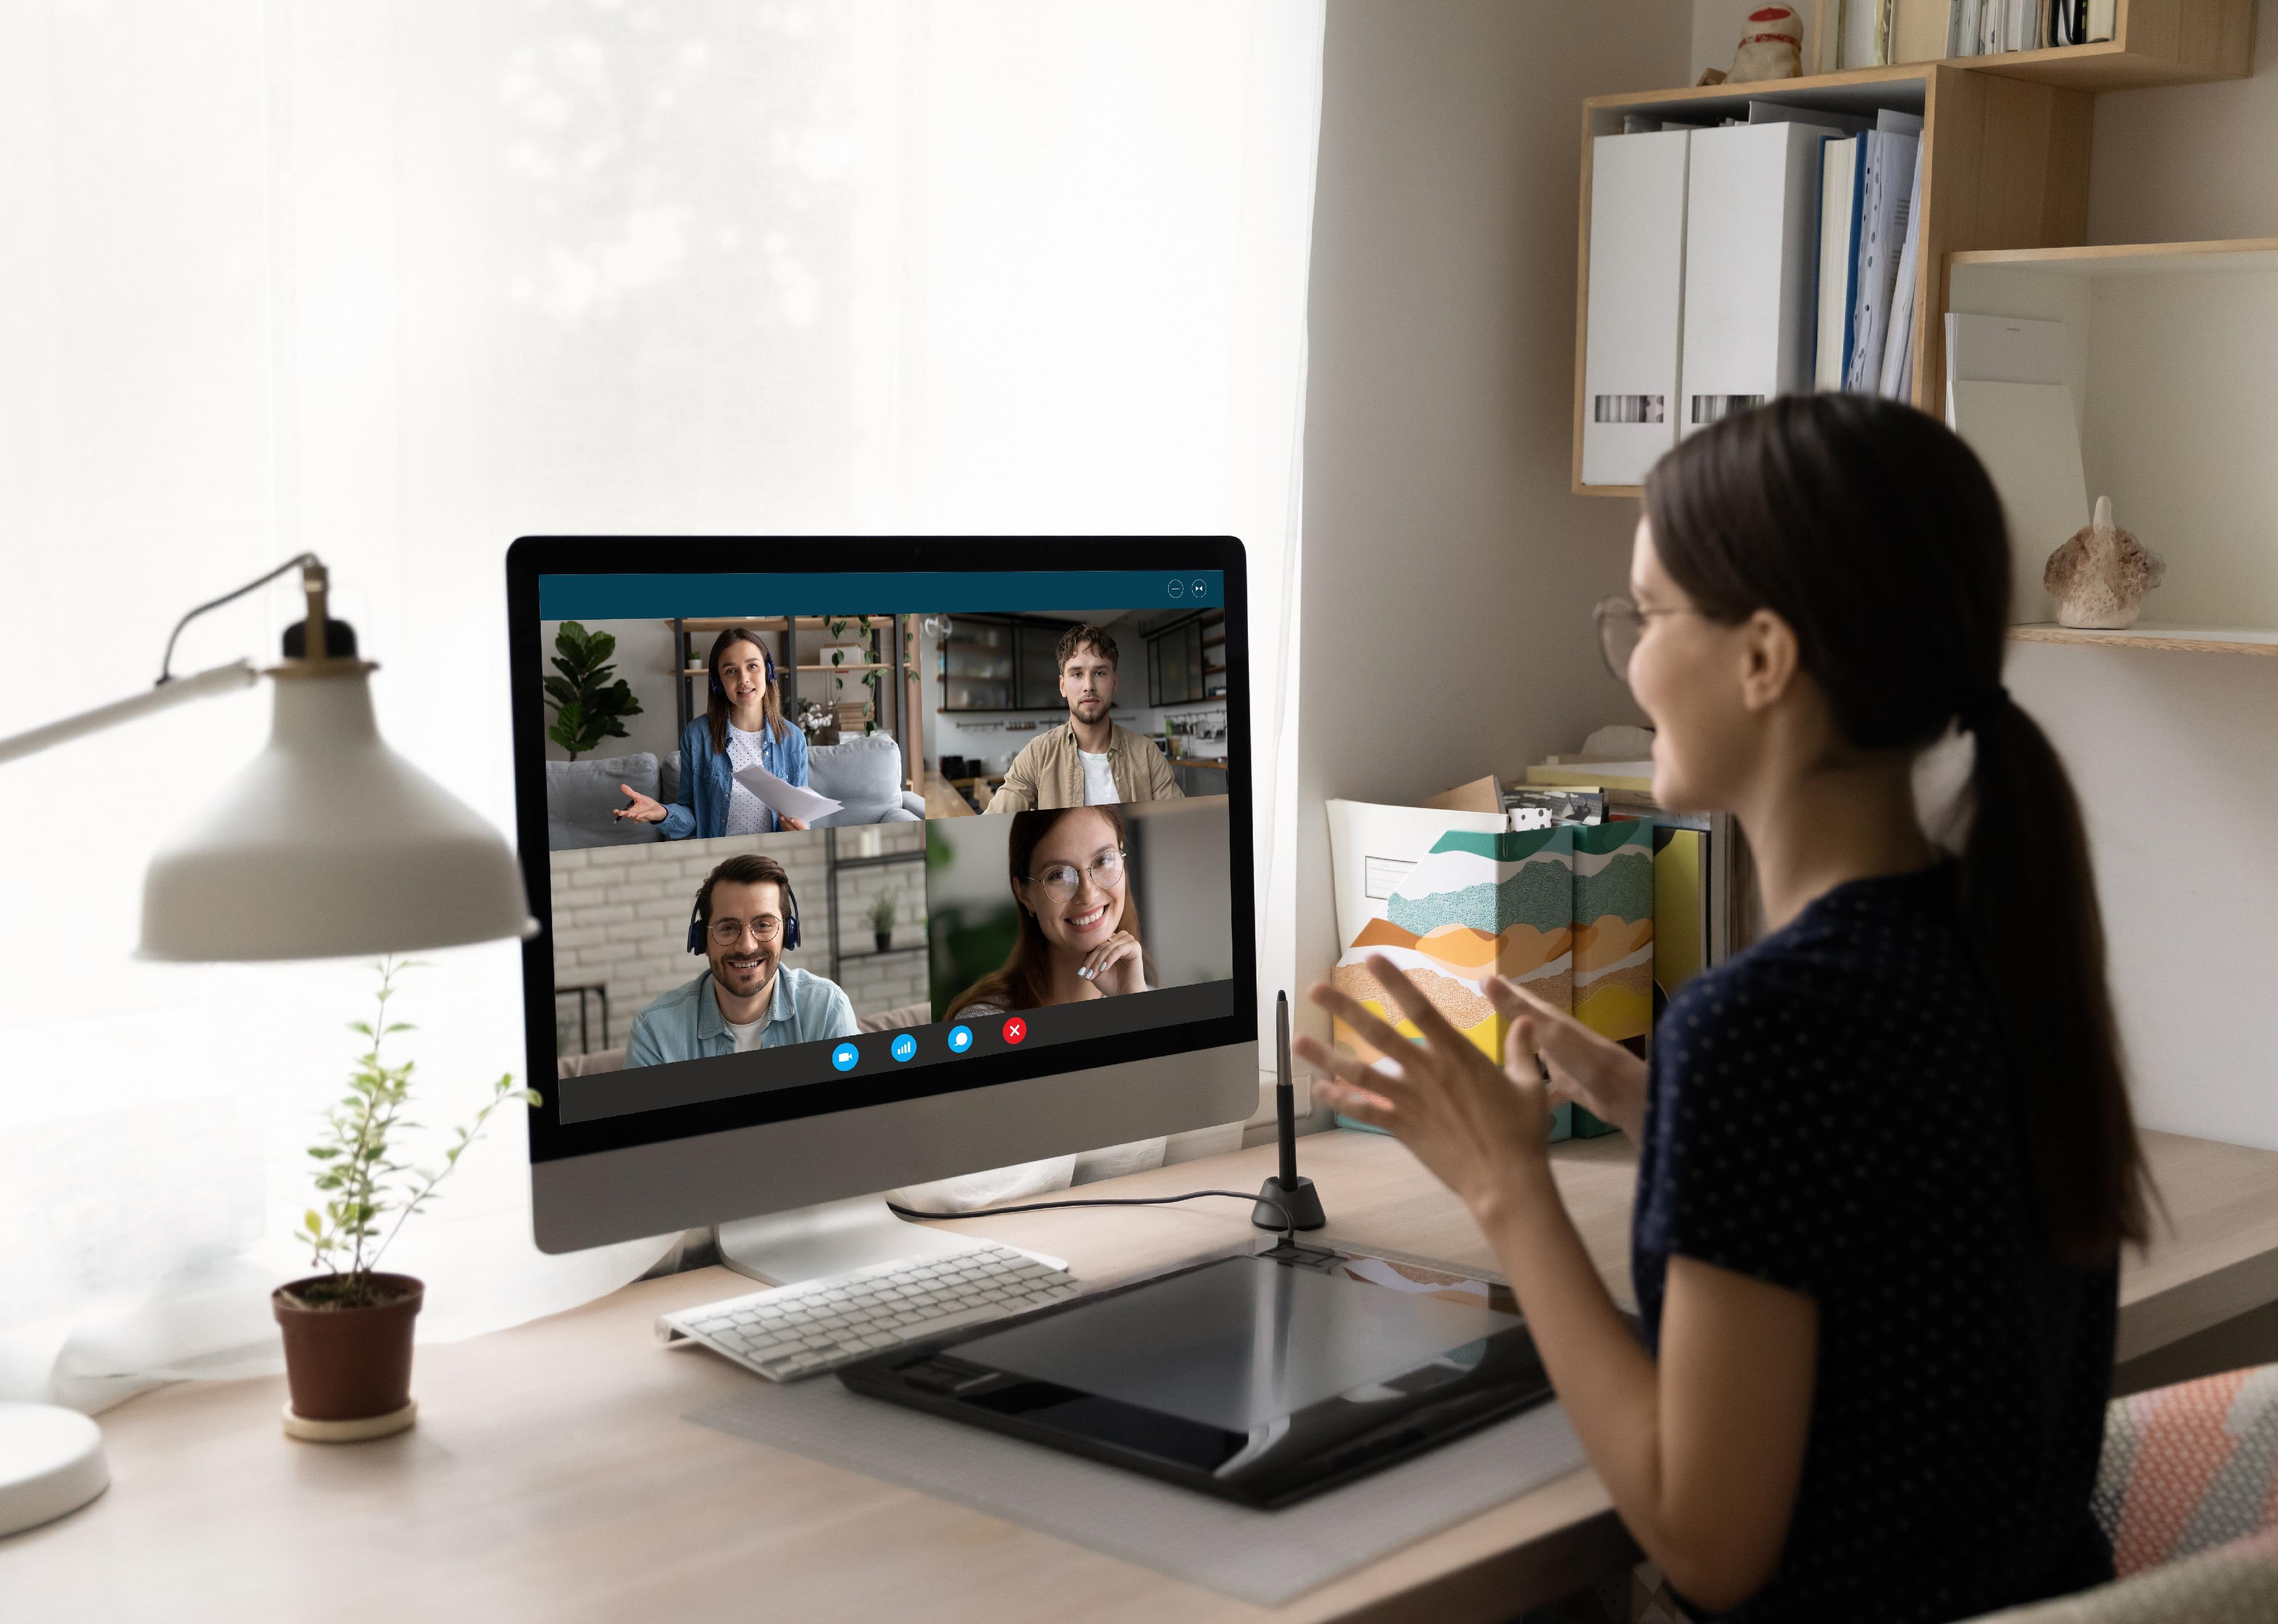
{"points": [[324, 1153]]}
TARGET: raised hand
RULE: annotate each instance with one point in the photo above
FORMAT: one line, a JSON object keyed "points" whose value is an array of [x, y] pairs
{"points": [[1607, 1079], [1115, 966], [643, 810], [1475, 1126]]}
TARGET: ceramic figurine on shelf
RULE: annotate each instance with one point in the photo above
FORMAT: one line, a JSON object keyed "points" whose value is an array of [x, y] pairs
{"points": [[1771, 48], [2098, 578]]}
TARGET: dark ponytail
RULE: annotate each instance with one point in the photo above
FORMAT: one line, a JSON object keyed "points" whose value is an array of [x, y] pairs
{"points": [[1875, 533]]}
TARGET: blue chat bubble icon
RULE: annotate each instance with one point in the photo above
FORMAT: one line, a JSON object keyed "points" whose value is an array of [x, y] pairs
{"points": [[960, 1039]]}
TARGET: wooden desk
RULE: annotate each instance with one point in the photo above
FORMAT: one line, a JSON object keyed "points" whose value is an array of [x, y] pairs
{"points": [[551, 1477]]}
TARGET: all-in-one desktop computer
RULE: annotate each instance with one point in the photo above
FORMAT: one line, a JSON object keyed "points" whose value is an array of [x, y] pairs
{"points": [[911, 650], [788, 963]]}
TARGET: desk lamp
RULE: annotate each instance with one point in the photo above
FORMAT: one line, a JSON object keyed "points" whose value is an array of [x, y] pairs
{"points": [[327, 844]]}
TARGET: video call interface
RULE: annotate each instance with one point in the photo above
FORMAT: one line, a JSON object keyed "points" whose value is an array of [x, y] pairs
{"points": [[792, 846]]}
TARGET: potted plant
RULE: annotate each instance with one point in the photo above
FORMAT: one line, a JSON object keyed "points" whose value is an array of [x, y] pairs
{"points": [[820, 724], [588, 698], [882, 908], [348, 1331]]}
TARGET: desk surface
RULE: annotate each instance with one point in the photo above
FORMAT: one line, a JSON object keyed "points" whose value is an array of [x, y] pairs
{"points": [[552, 1478]]}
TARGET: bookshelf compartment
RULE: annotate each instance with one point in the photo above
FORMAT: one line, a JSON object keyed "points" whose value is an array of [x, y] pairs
{"points": [[2153, 43], [2169, 351], [2004, 165]]}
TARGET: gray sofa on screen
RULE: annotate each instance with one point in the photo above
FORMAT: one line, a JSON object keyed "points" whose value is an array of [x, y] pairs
{"points": [[581, 797]]}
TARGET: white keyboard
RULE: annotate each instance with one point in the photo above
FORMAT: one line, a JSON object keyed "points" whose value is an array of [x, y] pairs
{"points": [[817, 1325]]}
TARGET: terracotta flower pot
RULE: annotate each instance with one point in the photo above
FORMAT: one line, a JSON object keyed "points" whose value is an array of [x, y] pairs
{"points": [[348, 1366]]}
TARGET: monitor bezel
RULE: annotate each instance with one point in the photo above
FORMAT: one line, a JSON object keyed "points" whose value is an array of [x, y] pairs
{"points": [[531, 557]]}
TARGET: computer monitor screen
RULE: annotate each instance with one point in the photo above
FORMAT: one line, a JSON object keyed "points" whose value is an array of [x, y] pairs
{"points": [[863, 841]]}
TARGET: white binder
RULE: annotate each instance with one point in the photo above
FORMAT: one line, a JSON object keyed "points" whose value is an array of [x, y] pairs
{"points": [[1750, 248], [1636, 315]]}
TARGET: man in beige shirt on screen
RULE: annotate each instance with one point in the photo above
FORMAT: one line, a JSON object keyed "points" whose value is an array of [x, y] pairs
{"points": [[1090, 760]]}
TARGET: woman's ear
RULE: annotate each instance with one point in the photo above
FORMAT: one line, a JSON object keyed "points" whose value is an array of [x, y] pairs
{"points": [[1770, 660]]}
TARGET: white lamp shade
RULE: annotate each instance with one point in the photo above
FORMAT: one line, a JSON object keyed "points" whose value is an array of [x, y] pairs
{"points": [[330, 844]]}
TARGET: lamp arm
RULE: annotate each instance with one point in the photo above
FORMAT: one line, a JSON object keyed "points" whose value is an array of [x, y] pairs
{"points": [[221, 680], [166, 666]]}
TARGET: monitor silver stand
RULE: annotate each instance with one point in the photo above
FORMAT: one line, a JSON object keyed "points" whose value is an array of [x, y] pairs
{"points": [[809, 1242]]}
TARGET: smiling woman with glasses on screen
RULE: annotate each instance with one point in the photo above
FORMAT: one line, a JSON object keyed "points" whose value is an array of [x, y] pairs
{"points": [[1886, 1159], [1079, 927]]}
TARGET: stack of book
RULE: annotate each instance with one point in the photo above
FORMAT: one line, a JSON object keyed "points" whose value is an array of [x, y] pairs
{"points": [[1869, 243], [1989, 27]]}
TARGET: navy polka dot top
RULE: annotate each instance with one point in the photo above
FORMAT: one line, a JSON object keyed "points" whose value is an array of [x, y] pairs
{"points": [[1829, 1112]]}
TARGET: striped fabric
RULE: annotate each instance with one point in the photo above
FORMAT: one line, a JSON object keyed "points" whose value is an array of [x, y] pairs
{"points": [[2190, 1467], [2188, 1491]]}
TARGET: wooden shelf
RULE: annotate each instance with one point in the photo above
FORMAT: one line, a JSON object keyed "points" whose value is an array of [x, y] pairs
{"points": [[773, 623], [2153, 43], [2135, 258], [2169, 640], [2004, 165], [698, 670], [2166, 348]]}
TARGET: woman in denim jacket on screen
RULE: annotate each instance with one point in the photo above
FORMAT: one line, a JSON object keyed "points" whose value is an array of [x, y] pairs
{"points": [[742, 726]]}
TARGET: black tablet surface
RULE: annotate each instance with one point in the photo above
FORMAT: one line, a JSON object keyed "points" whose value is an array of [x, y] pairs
{"points": [[1262, 1379]]}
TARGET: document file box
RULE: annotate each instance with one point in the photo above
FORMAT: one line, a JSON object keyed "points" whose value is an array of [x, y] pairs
{"points": [[1636, 316], [1751, 248]]}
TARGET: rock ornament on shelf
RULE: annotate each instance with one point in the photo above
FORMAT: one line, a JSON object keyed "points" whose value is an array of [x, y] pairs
{"points": [[1771, 48], [2099, 576]]}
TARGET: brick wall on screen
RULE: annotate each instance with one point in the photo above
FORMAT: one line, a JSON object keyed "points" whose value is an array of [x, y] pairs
{"points": [[891, 980], [620, 918]]}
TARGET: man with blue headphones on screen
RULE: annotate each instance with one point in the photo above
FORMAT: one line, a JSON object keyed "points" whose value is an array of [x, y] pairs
{"points": [[745, 920]]}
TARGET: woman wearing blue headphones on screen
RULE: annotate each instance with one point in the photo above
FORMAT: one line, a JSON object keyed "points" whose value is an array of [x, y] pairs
{"points": [[1886, 1157], [742, 726]]}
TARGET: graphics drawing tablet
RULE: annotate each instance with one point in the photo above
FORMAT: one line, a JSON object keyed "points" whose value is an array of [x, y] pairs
{"points": [[1262, 1379]]}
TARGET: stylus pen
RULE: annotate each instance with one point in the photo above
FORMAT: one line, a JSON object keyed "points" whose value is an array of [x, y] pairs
{"points": [[1285, 1092]]}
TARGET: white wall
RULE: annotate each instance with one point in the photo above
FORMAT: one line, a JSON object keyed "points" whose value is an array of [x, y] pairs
{"points": [[2174, 755], [1449, 572]]}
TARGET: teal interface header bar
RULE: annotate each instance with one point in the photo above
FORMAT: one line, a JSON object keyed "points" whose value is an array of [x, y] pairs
{"points": [[885, 592]]}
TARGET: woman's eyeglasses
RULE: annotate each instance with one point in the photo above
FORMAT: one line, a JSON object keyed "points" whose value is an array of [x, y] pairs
{"points": [[730, 932], [1621, 627], [1061, 880]]}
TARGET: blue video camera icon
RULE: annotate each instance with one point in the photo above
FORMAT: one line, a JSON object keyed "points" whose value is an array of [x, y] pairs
{"points": [[844, 1055]]}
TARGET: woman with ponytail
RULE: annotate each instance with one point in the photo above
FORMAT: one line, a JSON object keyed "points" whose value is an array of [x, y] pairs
{"points": [[1886, 1159]]}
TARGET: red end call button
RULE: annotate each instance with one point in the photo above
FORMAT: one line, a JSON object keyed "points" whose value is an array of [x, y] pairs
{"points": [[1015, 1029]]}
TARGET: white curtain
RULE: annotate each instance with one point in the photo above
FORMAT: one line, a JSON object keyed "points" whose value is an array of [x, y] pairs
{"points": [[400, 282]]}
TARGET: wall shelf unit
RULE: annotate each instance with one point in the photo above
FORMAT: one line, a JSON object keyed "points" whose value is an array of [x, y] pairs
{"points": [[2170, 351], [2153, 43], [2004, 165]]}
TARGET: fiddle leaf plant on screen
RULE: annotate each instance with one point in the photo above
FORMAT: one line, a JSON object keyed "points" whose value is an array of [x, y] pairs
{"points": [[368, 1192], [588, 706]]}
